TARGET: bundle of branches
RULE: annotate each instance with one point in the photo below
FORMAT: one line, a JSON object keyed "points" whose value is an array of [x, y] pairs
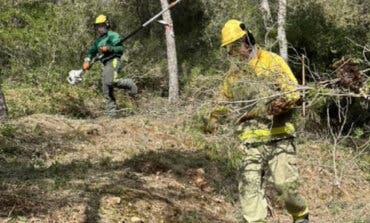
{"points": [[259, 96], [254, 96]]}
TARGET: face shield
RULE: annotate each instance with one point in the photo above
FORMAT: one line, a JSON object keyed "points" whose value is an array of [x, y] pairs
{"points": [[234, 48], [101, 28]]}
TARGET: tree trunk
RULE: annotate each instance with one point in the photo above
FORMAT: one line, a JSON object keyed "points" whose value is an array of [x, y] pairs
{"points": [[268, 22], [283, 43], [3, 108], [173, 91]]}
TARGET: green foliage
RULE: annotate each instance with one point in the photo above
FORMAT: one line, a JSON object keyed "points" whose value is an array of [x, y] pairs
{"points": [[40, 33], [51, 98], [7, 131], [202, 85], [323, 100], [201, 119], [154, 77], [326, 30]]}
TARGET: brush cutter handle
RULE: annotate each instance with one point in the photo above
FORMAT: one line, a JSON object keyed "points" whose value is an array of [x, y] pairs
{"points": [[173, 4], [97, 58]]}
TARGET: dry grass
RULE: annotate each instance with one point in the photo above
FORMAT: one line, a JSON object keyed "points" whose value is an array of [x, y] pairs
{"points": [[347, 202]]}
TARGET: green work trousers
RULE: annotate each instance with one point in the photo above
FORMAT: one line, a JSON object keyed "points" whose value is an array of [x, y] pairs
{"points": [[274, 161], [110, 80]]}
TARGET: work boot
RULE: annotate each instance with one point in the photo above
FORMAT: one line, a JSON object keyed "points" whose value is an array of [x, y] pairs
{"points": [[112, 113], [125, 112], [127, 84], [110, 109], [302, 220]]}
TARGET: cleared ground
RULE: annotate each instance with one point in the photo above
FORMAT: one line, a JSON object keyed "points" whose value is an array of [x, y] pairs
{"points": [[149, 167]]}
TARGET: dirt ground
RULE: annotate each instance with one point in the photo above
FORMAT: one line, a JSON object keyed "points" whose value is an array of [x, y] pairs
{"points": [[149, 168]]}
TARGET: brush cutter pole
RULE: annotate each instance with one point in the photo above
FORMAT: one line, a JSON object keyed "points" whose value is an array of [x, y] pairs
{"points": [[173, 4]]}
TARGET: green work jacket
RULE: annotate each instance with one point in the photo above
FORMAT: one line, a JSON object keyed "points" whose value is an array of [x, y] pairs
{"points": [[110, 39]]}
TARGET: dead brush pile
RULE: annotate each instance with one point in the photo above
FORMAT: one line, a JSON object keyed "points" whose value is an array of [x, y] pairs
{"points": [[349, 75]]}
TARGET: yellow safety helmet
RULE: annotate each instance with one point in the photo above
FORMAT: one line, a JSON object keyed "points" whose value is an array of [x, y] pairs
{"points": [[232, 31], [101, 19]]}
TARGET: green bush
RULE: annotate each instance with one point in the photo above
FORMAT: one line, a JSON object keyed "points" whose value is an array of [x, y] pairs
{"points": [[51, 98]]}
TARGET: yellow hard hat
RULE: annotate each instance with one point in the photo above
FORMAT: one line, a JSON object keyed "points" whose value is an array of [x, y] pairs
{"points": [[101, 19], [231, 32]]}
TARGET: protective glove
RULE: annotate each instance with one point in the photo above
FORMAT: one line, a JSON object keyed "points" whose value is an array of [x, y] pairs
{"points": [[86, 65], [246, 117], [279, 106], [217, 117], [104, 49], [74, 77]]}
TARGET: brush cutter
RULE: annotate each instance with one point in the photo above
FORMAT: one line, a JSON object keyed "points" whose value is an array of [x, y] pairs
{"points": [[75, 76]]}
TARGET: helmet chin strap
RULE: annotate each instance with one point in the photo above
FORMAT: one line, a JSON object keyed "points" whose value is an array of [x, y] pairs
{"points": [[248, 40], [252, 52], [252, 49]]}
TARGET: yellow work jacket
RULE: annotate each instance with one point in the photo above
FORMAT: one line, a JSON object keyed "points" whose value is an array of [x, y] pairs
{"points": [[271, 65], [266, 64]]}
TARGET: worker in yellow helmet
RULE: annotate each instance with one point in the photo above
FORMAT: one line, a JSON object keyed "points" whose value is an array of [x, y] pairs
{"points": [[267, 139], [109, 46]]}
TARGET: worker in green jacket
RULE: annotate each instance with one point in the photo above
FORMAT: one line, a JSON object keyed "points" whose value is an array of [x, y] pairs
{"points": [[267, 139], [109, 48]]}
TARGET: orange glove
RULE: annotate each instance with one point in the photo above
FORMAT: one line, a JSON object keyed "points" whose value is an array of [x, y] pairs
{"points": [[213, 120], [104, 49], [86, 65]]}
